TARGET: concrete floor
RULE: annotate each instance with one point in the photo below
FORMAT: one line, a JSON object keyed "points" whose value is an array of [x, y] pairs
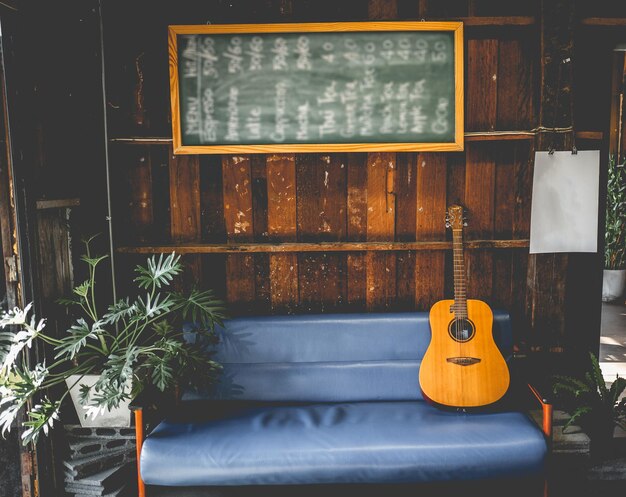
{"points": [[613, 341]]}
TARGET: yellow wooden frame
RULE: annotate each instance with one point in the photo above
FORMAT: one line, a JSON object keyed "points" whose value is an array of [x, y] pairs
{"points": [[455, 27]]}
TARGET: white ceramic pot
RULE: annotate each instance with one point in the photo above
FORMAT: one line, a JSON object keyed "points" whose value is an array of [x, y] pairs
{"points": [[118, 417], [613, 284]]}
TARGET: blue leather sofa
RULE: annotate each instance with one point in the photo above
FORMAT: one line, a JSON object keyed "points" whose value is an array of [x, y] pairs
{"points": [[334, 399]]}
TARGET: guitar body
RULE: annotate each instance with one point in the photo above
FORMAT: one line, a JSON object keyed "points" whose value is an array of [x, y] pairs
{"points": [[463, 366]]}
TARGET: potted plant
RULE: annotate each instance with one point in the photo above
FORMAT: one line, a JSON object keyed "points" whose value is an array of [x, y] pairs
{"points": [[594, 406], [136, 342], [614, 277]]}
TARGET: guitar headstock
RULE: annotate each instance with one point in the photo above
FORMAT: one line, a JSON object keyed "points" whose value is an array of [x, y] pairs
{"points": [[455, 218]]}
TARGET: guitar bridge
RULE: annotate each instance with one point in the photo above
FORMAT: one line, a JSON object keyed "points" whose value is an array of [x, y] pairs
{"points": [[463, 361]]}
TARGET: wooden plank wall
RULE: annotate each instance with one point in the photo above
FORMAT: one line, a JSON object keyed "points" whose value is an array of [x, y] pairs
{"points": [[341, 197]]}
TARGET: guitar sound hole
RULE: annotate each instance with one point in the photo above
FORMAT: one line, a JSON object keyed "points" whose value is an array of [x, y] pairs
{"points": [[461, 329]]}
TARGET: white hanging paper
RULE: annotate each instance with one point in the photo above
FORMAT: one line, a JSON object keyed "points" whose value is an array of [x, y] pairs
{"points": [[564, 214]]}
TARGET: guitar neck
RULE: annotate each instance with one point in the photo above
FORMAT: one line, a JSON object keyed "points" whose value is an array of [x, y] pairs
{"points": [[460, 294]]}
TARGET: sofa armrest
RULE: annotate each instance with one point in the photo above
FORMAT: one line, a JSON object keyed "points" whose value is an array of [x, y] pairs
{"points": [[149, 401], [547, 410]]}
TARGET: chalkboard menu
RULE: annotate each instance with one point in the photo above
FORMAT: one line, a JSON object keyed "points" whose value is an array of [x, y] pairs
{"points": [[317, 87]]}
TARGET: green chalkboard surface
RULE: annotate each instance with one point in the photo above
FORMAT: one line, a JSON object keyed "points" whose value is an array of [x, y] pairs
{"points": [[295, 89]]}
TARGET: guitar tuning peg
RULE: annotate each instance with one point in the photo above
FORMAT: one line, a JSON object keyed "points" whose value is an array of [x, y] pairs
{"points": [[465, 223], [448, 225]]}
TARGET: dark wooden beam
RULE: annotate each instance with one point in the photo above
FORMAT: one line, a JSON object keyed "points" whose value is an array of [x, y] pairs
{"points": [[604, 21], [229, 248]]}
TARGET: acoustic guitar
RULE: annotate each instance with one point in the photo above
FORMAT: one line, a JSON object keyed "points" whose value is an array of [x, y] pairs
{"points": [[462, 366]]}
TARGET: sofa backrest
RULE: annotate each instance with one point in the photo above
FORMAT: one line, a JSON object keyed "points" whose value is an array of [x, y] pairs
{"points": [[329, 357]]}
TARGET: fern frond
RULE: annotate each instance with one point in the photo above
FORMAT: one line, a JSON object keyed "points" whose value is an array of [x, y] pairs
{"points": [[617, 387], [576, 415], [599, 378]]}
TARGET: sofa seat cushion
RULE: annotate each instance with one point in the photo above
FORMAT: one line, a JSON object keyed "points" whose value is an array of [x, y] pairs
{"points": [[366, 442]]}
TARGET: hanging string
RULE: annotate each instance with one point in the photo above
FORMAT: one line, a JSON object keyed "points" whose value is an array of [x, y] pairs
{"points": [[571, 103], [551, 147], [554, 130]]}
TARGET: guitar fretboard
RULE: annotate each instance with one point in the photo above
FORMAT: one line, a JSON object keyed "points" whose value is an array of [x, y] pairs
{"points": [[460, 296]]}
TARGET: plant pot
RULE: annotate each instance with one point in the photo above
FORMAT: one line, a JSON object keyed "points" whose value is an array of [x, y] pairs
{"points": [[118, 417], [613, 284]]}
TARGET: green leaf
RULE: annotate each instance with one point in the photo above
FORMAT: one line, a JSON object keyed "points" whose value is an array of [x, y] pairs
{"points": [[201, 307], [159, 272], [153, 306], [83, 289], [598, 378], [615, 246], [162, 375], [93, 261], [162, 328], [617, 387], [40, 418], [119, 311], [68, 301], [77, 339], [119, 367], [576, 415]]}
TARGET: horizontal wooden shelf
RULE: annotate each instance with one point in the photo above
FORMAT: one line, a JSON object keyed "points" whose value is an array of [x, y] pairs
{"points": [[141, 140], [589, 135], [603, 21], [478, 136], [229, 248], [470, 136], [59, 203], [503, 21]]}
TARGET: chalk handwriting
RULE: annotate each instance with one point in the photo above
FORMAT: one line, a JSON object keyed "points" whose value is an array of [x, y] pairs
{"points": [[281, 51], [210, 124], [419, 119], [439, 53], [190, 61], [255, 51], [281, 121], [234, 54], [193, 117], [232, 125], [440, 125], [253, 123], [403, 117], [419, 90], [303, 50], [366, 115], [329, 125], [388, 93], [208, 55], [330, 94], [388, 120], [302, 132], [330, 56], [369, 79]]}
